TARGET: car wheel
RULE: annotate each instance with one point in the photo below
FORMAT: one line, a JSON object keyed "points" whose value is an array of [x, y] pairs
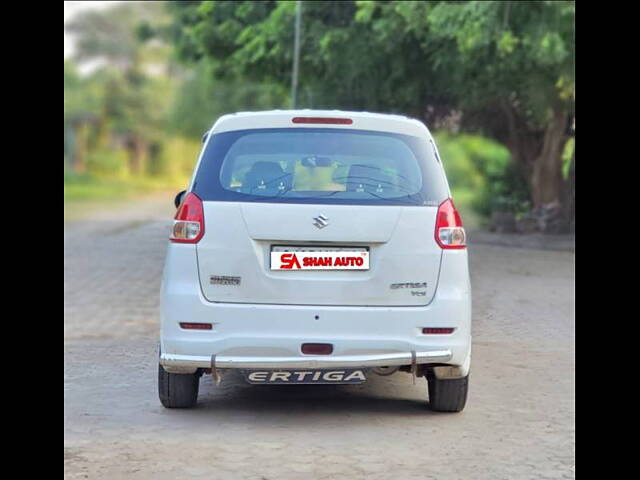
{"points": [[177, 390], [448, 395]]}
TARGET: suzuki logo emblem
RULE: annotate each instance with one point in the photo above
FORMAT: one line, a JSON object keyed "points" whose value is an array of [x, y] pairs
{"points": [[320, 221]]}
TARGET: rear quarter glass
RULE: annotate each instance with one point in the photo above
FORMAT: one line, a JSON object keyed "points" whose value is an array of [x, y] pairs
{"points": [[320, 166]]}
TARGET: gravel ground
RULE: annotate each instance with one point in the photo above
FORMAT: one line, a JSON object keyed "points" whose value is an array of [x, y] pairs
{"points": [[518, 423]]}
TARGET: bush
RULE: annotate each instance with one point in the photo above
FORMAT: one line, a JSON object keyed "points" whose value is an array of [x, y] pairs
{"points": [[177, 157], [107, 162], [481, 174]]}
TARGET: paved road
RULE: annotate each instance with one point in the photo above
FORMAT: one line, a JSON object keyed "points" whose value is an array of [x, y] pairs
{"points": [[518, 423]]}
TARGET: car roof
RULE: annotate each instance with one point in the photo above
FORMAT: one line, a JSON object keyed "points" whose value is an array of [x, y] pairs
{"points": [[284, 119]]}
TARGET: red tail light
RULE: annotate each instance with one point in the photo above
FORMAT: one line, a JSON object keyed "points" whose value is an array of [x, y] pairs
{"points": [[449, 231], [188, 226], [323, 120]]}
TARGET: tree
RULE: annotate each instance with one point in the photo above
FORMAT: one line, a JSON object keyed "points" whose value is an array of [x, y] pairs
{"points": [[134, 101], [201, 98], [82, 100], [515, 81], [505, 68]]}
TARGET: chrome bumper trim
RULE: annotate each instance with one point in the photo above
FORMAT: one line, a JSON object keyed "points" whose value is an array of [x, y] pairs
{"points": [[376, 360]]}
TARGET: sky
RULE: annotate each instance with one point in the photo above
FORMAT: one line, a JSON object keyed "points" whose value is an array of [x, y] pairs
{"points": [[73, 8]]}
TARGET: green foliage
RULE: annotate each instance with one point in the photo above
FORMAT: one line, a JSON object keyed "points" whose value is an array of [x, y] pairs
{"points": [[138, 115], [117, 116], [88, 188], [398, 56], [567, 156], [177, 157], [81, 97], [106, 162], [202, 98], [481, 174], [118, 36], [507, 67], [502, 67]]}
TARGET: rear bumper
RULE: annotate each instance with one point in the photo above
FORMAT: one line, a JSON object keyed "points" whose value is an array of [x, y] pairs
{"points": [[189, 362], [263, 336]]}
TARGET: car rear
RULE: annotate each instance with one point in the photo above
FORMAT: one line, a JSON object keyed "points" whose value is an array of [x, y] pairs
{"points": [[329, 229]]}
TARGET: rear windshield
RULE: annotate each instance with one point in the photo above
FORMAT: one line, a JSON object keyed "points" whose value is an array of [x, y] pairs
{"points": [[323, 165]]}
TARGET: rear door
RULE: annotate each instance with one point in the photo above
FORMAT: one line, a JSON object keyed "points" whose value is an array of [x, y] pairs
{"points": [[280, 192], [240, 238]]}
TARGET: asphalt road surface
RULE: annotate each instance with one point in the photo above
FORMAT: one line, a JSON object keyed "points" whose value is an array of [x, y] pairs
{"points": [[518, 422]]}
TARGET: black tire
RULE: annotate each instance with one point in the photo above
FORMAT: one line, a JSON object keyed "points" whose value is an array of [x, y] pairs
{"points": [[448, 395], [177, 390]]}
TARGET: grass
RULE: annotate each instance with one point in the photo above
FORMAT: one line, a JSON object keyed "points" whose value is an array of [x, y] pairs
{"points": [[87, 188], [84, 193]]}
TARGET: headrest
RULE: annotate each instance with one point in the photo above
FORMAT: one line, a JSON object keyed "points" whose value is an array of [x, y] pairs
{"points": [[269, 169], [265, 176], [367, 178]]}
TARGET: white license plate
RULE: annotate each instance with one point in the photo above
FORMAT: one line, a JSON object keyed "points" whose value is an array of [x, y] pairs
{"points": [[319, 258]]}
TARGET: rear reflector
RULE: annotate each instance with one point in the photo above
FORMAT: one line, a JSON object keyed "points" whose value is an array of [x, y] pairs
{"points": [[323, 120], [317, 348], [437, 330], [196, 326]]}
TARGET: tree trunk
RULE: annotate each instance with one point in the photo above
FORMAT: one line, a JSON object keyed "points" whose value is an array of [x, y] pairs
{"points": [[569, 201], [103, 132], [546, 177], [137, 150], [538, 157], [81, 136]]}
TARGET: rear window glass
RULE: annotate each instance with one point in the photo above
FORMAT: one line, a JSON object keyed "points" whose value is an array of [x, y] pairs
{"points": [[304, 165]]}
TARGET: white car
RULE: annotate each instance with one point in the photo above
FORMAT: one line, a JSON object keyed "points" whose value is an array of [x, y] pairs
{"points": [[316, 247]]}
